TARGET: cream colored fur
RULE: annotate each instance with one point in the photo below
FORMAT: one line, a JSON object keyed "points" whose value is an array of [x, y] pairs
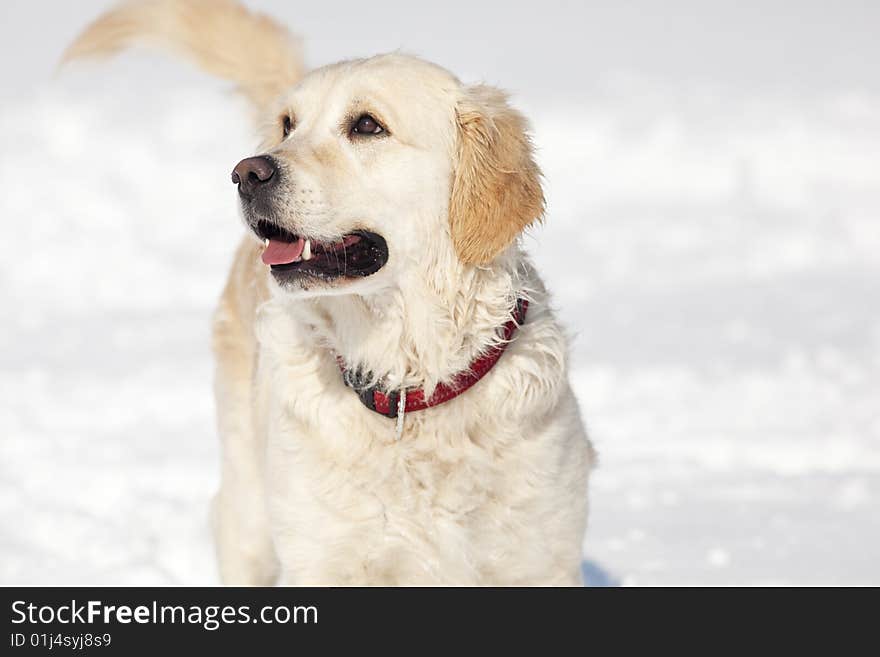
{"points": [[489, 488]]}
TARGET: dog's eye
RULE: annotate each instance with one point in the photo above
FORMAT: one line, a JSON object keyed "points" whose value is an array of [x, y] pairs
{"points": [[286, 126], [367, 125]]}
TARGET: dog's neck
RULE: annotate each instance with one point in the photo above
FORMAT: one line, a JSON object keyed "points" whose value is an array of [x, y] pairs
{"points": [[427, 330]]}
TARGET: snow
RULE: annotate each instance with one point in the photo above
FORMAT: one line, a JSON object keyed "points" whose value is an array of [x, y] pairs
{"points": [[714, 256]]}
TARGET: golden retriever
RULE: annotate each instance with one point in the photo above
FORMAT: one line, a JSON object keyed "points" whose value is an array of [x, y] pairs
{"points": [[391, 382]]}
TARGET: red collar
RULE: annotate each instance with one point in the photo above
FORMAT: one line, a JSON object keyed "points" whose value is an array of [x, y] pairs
{"points": [[387, 403]]}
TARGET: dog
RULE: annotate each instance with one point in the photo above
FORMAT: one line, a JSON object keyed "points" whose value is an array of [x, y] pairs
{"points": [[391, 382]]}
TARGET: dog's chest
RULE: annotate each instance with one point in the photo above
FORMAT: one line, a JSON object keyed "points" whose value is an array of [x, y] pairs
{"points": [[319, 430], [339, 476]]}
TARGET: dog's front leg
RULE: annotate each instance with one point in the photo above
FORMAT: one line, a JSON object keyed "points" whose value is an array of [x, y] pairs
{"points": [[245, 553], [239, 514]]}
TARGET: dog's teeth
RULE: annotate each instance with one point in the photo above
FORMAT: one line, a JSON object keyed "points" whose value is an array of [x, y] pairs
{"points": [[266, 242], [307, 250]]}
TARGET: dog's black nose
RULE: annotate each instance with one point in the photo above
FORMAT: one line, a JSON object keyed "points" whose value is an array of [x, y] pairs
{"points": [[254, 174]]}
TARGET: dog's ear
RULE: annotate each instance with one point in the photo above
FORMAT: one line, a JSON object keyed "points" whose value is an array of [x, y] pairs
{"points": [[496, 187]]}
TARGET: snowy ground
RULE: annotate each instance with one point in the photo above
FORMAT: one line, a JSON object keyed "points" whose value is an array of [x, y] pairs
{"points": [[717, 258]]}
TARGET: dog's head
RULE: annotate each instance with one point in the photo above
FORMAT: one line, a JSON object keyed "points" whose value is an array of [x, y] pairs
{"points": [[375, 166]]}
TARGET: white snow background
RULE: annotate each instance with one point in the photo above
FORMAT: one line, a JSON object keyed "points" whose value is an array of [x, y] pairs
{"points": [[712, 240]]}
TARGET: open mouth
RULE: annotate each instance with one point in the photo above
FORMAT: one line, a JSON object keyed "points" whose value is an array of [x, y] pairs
{"points": [[290, 256]]}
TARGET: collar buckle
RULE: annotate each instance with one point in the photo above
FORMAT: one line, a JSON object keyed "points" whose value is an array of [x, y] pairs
{"points": [[368, 394], [393, 403]]}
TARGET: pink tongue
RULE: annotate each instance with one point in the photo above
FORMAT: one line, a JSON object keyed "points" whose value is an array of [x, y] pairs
{"points": [[283, 253]]}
